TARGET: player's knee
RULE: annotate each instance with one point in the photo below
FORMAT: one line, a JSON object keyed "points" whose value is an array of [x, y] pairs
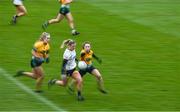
{"points": [[41, 77], [99, 77], [79, 80], [71, 21], [24, 12], [57, 20], [64, 83]]}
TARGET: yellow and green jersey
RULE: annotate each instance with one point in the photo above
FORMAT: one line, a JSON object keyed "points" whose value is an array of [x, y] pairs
{"points": [[87, 56], [41, 49]]}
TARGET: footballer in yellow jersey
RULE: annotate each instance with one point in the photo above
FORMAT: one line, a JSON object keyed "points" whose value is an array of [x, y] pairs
{"points": [[87, 56], [40, 54], [64, 12]]}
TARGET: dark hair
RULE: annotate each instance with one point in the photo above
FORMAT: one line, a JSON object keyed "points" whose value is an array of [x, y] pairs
{"points": [[86, 42]]}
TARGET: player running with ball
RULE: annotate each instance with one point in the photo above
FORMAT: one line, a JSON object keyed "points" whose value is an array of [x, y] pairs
{"points": [[87, 55], [64, 12]]}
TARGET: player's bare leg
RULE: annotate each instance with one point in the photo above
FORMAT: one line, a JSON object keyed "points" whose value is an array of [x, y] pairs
{"points": [[70, 19], [58, 19], [100, 82]]}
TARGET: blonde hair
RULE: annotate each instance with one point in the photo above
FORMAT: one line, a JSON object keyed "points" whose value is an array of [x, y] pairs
{"points": [[44, 35], [67, 42]]}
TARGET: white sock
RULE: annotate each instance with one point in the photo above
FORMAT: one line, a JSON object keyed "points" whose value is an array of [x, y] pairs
{"points": [[73, 31]]}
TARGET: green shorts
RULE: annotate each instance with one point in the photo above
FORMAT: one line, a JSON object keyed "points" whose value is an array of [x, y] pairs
{"points": [[36, 62], [64, 10]]}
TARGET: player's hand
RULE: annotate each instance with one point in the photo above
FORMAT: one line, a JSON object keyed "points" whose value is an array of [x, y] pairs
{"points": [[47, 60], [99, 61], [41, 60]]}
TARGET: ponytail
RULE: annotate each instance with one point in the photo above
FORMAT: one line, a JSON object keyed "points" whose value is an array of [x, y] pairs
{"points": [[67, 42]]}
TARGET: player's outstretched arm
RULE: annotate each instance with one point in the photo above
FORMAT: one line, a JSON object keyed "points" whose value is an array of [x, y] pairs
{"points": [[97, 58]]}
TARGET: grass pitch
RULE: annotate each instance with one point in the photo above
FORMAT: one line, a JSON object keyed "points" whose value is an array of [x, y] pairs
{"points": [[138, 41]]}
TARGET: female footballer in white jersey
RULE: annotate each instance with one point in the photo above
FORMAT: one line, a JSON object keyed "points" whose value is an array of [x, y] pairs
{"points": [[69, 68], [20, 10], [64, 12]]}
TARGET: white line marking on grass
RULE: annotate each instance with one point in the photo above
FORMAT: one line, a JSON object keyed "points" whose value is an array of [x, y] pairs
{"points": [[29, 91]]}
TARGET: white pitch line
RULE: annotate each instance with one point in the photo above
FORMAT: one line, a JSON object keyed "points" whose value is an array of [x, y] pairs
{"points": [[29, 91]]}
